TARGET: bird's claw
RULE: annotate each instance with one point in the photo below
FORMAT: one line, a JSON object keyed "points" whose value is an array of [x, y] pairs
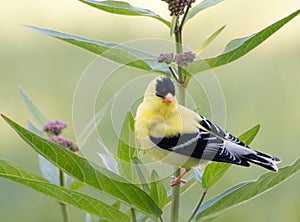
{"points": [[176, 180]]}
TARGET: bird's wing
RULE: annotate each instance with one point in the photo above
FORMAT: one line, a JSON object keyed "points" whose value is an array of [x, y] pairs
{"points": [[192, 118], [216, 130], [200, 144]]}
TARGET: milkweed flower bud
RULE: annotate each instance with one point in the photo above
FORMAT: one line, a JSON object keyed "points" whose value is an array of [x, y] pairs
{"points": [[176, 7], [54, 127], [64, 142], [185, 58], [166, 57]]}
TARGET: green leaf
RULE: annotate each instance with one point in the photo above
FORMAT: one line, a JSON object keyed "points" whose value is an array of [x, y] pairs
{"points": [[40, 118], [210, 219], [198, 172], [142, 218], [87, 172], [212, 173], [126, 149], [200, 7], [235, 43], [123, 8], [91, 218], [209, 40], [142, 173], [35, 130], [75, 185], [247, 190], [108, 159], [216, 170], [249, 135], [114, 52], [245, 45], [158, 191], [116, 204], [49, 171], [173, 25], [71, 197]]}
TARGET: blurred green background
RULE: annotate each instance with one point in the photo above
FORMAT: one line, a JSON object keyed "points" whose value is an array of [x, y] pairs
{"points": [[262, 87]]}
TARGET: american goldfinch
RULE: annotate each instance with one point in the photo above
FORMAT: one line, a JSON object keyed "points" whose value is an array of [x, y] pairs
{"points": [[176, 135]]}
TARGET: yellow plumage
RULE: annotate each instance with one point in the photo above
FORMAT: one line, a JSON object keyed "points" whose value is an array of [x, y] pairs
{"points": [[156, 118], [176, 135]]}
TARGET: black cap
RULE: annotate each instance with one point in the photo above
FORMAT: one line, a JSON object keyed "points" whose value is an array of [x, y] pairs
{"points": [[164, 86]]}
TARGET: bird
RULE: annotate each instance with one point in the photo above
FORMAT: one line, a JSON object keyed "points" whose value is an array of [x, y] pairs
{"points": [[176, 135]]}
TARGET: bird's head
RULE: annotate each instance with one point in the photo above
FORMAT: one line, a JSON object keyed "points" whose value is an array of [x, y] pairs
{"points": [[161, 93]]}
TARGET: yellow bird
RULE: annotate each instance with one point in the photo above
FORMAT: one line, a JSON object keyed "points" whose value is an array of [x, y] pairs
{"points": [[176, 135]]}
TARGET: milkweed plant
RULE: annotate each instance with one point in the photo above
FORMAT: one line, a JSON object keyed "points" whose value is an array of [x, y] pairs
{"points": [[147, 196]]}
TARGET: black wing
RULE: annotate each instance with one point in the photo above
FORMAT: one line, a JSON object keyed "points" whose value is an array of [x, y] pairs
{"points": [[201, 144], [189, 144], [216, 130]]}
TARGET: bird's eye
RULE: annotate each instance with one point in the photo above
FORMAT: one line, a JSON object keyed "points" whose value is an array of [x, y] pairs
{"points": [[159, 95]]}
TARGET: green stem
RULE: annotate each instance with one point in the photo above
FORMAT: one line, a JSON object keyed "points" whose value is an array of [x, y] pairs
{"points": [[178, 39], [64, 211], [181, 100], [174, 73], [61, 178], [64, 207], [175, 198], [133, 215], [197, 207], [161, 219]]}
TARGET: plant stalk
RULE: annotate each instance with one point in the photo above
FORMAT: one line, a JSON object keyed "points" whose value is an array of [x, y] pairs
{"points": [[175, 198], [133, 215], [198, 206], [181, 100], [174, 74], [64, 207], [178, 40]]}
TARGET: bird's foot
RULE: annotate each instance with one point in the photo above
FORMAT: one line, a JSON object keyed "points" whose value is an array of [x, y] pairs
{"points": [[176, 180]]}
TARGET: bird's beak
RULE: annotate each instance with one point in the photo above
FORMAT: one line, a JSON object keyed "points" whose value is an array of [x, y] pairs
{"points": [[169, 98]]}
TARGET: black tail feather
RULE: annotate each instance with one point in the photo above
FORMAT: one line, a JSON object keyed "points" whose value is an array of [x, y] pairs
{"points": [[263, 160]]}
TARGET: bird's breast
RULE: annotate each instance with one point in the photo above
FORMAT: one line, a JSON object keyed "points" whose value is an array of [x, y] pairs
{"points": [[165, 125]]}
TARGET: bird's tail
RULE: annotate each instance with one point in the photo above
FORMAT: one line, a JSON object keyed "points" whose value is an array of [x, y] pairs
{"points": [[262, 159]]}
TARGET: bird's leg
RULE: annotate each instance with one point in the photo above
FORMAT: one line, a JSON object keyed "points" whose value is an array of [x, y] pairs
{"points": [[176, 180]]}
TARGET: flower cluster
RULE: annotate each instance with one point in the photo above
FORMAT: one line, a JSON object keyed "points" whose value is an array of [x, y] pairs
{"points": [[166, 57], [181, 59], [54, 128], [176, 7], [64, 142], [185, 58]]}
